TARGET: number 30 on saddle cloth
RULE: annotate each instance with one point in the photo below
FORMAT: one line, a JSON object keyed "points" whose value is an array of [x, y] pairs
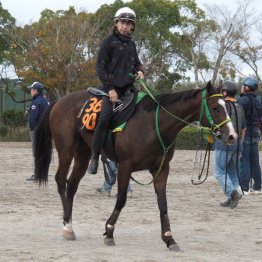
{"points": [[90, 111]]}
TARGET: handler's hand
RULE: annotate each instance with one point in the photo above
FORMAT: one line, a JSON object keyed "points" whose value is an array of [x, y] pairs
{"points": [[113, 96], [140, 75]]}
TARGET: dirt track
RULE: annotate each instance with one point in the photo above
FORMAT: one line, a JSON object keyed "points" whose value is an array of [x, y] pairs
{"points": [[31, 218]]}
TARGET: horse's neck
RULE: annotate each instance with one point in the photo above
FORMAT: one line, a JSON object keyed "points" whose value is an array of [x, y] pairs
{"points": [[183, 112]]}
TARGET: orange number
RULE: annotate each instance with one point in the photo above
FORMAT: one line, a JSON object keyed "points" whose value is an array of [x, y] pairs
{"points": [[93, 101], [95, 105], [89, 120]]}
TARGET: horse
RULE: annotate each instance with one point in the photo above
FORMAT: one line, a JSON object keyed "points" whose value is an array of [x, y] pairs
{"points": [[146, 143]]}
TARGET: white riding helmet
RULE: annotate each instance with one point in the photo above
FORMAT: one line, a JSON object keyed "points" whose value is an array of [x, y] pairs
{"points": [[125, 13]]}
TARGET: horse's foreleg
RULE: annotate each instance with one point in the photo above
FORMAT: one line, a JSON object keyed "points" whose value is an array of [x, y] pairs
{"points": [[122, 180], [160, 190]]}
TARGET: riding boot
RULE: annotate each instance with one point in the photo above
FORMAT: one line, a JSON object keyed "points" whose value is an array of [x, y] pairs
{"points": [[100, 134], [93, 165]]}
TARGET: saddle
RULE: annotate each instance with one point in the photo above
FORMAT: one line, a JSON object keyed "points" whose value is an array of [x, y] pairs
{"points": [[123, 111], [121, 104]]}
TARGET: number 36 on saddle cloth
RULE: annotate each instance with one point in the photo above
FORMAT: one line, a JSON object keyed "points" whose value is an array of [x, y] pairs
{"points": [[90, 111]]}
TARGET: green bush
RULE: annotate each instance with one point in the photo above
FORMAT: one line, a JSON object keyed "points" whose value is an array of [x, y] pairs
{"points": [[189, 138], [14, 121], [21, 135], [3, 131]]}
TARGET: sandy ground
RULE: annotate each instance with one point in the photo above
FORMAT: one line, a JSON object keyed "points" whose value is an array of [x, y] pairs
{"points": [[31, 218]]}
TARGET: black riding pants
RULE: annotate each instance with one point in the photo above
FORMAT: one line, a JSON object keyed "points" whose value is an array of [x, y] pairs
{"points": [[102, 126]]}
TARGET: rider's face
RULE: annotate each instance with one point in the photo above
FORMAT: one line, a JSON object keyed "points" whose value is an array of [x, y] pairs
{"points": [[124, 27]]}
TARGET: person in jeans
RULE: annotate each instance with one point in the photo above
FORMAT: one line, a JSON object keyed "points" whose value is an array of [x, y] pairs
{"points": [[227, 157], [250, 169], [106, 188], [37, 107]]}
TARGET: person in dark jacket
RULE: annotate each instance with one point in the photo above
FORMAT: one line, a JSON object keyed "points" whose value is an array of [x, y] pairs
{"points": [[250, 169], [36, 109], [117, 59]]}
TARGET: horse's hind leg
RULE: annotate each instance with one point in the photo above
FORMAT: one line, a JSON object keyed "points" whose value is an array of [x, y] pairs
{"points": [[160, 190], [65, 158], [122, 181], [68, 188], [81, 158]]}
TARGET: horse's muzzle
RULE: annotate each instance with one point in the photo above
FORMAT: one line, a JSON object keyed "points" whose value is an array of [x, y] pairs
{"points": [[230, 139]]}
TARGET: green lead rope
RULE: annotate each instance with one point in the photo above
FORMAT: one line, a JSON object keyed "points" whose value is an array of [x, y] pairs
{"points": [[164, 147]]}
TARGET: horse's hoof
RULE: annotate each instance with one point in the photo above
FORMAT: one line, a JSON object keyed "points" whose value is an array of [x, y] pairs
{"points": [[174, 247], [109, 241], [69, 235]]}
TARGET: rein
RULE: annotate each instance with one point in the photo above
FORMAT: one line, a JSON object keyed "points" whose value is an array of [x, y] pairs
{"points": [[204, 107], [164, 147], [206, 157]]}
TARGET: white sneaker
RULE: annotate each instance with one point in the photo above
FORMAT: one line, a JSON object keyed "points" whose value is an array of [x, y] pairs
{"points": [[256, 192], [252, 192]]}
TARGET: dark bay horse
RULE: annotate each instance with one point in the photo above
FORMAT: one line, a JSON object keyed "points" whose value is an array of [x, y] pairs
{"points": [[138, 147]]}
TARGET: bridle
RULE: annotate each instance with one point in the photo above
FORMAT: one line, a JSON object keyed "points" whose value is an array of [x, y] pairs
{"points": [[214, 128]]}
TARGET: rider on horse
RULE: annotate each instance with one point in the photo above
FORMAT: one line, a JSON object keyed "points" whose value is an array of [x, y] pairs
{"points": [[117, 59]]}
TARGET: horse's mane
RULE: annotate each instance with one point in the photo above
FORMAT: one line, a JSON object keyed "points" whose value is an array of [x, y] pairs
{"points": [[169, 98]]}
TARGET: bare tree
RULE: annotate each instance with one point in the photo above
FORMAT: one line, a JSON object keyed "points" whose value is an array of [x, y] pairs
{"points": [[232, 28]]}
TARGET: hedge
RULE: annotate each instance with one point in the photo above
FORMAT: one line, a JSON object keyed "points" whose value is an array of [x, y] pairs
{"points": [[189, 138]]}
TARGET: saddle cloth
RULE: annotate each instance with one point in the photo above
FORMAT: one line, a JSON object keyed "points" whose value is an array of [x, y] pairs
{"points": [[90, 111]]}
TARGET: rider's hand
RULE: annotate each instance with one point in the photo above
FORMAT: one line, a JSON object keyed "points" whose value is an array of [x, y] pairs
{"points": [[113, 95], [140, 75]]}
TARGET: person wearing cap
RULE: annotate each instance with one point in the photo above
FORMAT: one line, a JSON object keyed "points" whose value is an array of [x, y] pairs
{"points": [[36, 109], [227, 157], [249, 163], [117, 59]]}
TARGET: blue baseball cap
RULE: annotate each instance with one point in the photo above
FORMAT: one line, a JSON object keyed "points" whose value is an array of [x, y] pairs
{"points": [[36, 85]]}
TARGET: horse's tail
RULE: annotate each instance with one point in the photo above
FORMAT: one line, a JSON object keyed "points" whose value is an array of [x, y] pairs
{"points": [[43, 146]]}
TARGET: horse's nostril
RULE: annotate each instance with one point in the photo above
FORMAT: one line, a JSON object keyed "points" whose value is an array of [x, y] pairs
{"points": [[231, 139]]}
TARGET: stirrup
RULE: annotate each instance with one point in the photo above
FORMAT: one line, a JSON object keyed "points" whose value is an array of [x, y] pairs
{"points": [[118, 105]]}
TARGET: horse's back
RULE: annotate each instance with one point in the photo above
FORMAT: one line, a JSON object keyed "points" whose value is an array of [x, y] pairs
{"points": [[71, 102], [63, 117]]}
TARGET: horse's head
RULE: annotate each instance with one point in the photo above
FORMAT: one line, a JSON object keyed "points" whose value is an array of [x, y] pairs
{"points": [[215, 116]]}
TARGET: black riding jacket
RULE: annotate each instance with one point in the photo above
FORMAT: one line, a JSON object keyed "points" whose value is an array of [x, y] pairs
{"points": [[117, 58], [253, 113]]}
